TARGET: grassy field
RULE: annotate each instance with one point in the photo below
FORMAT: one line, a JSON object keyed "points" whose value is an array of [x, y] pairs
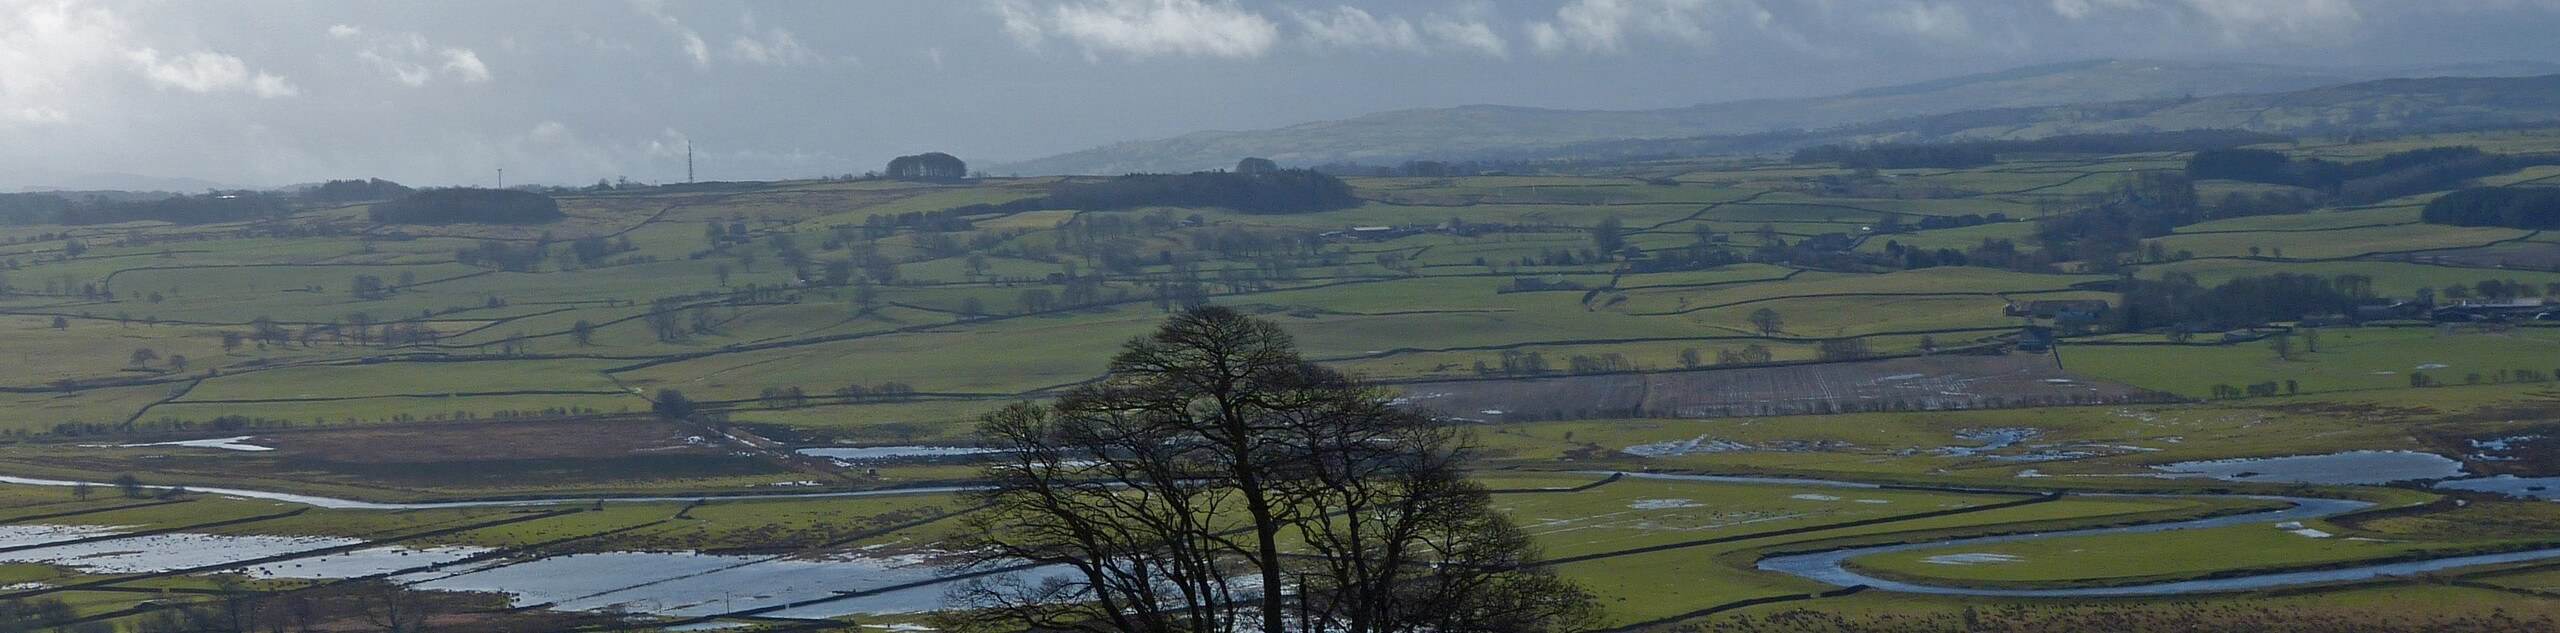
{"points": [[2128, 559], [801, 327]]}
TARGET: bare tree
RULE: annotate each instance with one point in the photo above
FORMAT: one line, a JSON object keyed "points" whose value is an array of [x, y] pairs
{"points": [[1214, 472]]}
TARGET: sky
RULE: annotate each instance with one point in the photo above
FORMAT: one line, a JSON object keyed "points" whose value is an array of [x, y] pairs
{"points": [[276, 92]]}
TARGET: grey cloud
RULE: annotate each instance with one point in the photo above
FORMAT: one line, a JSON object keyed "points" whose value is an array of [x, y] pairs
{"points": [[568, 91]]}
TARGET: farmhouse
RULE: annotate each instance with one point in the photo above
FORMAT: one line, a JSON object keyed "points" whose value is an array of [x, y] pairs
{"points": [[1373, 233]]}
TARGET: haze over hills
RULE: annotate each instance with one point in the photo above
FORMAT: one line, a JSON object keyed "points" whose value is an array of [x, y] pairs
{"points": [[106, 181], [1489, 130], [2380, 106]]}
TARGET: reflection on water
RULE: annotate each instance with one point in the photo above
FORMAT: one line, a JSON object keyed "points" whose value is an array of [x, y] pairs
{"points": [[893, 453], [2353, 467], [661, 583], [2509, 485]]}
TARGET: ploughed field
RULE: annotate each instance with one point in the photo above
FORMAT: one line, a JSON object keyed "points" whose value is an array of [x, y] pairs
{"points": [[481, 435]]}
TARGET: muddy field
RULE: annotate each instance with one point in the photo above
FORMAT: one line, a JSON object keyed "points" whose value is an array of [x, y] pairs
{"points": [[1904, 384]]}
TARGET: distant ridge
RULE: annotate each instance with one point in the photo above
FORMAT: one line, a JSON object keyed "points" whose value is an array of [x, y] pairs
{"points": [[1489, 130]]}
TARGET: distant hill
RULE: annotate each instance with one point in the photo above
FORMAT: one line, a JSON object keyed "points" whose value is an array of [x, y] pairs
{"points": [[2382, 106], [1481, 131], [110, 181]]}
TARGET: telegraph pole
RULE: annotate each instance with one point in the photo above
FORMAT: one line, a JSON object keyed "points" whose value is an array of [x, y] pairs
{"points": [[688, 161], [502, 178]]}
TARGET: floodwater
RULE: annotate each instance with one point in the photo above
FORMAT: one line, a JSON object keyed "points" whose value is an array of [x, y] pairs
{"points": [[352, 504], [678, 584], [240, 443], [15, 536], [894, 453], [695, 584], [1827, 567], [1990, 440], [2509, 485], [2352, 467], [690, 584], [163, 552], [1692, 446]]}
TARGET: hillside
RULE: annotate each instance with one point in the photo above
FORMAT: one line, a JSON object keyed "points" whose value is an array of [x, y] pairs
{"points": [[1460, 131], [2388, 106], [1488, 130], [732, 362]]}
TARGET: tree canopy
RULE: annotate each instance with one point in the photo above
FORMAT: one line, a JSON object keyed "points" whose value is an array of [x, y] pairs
{"points": [[2536, 208], [1279, 191], [469, 206], [343, 191], [928, 166], [1214, 473]]}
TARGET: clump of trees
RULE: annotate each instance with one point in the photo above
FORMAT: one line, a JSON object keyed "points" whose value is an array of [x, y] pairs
{"points": [[209, 208], [465, 205], [2177, 300], [930, 166], [1218, 482], [104, 207], [1968, 154], [1275, 191], [1900, 155], [1269, 191], [2512, 207], [2389, 176], [344, 191]]}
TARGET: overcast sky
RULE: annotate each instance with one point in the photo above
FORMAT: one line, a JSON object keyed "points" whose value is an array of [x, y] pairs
{"points": [[270, 92]]}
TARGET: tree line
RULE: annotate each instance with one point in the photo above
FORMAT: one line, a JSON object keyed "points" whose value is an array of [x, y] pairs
{"points": [[2535, 208], [2389, 176], [1275, 191], [466, 205], [1266, 192], [2177, 300], [1969, 154], [108, 207]]}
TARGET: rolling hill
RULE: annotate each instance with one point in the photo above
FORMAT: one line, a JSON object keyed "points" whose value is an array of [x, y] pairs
{"points": [[1489, 130]]}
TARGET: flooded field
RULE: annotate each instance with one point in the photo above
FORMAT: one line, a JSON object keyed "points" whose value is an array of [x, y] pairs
{"points": [[2509, 485], [862, 454], [660, 583], [2352, 467]]}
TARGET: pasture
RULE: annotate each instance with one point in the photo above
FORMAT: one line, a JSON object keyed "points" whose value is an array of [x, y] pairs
{"points": [[1745, 320]]}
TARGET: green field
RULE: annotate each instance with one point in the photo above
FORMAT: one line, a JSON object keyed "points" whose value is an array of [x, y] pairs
{"points": [[818, 326]]}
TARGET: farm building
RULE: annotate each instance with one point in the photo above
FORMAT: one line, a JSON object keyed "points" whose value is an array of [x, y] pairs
{"points": [[2512, 310], [2068, 309]]}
